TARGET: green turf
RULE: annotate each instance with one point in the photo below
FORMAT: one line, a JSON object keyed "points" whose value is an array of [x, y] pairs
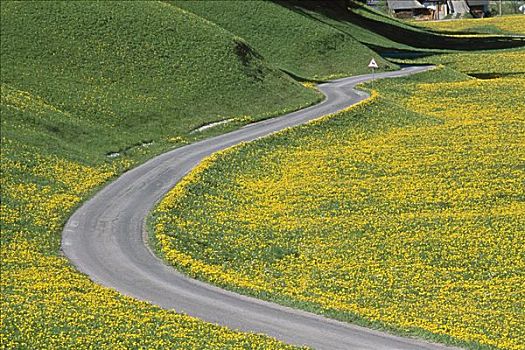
{"points": [[297, 41], [487, 29], [315, 39], [136, 71]]}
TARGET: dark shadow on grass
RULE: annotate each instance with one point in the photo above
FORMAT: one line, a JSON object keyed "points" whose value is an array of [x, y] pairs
{"points": [[389, 52], [344, 11], [484, 30], [488, 76]]}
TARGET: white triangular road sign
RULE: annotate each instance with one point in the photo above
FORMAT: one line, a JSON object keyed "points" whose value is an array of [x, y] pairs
{"points": [[373, 64]]}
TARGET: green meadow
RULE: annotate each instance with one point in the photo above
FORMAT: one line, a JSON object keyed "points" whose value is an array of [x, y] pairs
{"points": [[91, 89]]}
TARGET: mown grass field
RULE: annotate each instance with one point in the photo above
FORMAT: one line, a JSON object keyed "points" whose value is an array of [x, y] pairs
{"points": [[404, 213], [80, 81], [514, 24]]}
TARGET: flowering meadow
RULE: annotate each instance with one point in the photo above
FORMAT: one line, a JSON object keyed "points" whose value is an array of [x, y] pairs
{"points": [[45, 302], [89, 89], [405, 213], [491, 65], [509, 24]]}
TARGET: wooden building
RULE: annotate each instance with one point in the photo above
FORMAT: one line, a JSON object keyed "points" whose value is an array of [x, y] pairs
{"points": [[437, 9], [408, 9]]}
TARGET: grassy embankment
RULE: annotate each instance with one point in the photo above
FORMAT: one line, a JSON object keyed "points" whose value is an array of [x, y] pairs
{"points": [[84, 80], [319, 39], [294, 40], [404, 213]]}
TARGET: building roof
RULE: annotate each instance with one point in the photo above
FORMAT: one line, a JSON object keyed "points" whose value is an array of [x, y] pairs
{"points": [[478, 2], [404, 4]]}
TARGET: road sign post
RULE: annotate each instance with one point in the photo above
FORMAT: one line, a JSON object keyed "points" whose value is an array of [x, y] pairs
{"points": [[373, 65]]}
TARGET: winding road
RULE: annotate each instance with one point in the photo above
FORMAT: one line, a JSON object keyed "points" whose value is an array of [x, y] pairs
{"points": [[106, 239]]}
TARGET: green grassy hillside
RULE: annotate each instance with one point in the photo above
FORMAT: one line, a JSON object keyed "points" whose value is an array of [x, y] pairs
{"points": [[319, 39], [80, 80], [295, 40], [383, 33], [514, 24], [136, 71]]}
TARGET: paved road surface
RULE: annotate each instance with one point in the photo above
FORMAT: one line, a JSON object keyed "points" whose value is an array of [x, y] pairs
{"points": [[105, 238]]}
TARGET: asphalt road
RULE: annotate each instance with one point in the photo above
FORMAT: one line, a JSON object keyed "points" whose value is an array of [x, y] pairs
{"points": [[106, 239]]}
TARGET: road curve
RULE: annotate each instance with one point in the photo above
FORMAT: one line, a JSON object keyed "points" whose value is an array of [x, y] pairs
{"points": [[106, 239]]}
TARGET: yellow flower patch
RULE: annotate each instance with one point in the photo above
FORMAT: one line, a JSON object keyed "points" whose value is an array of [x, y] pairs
{"points": [[511, 24], [406, 213], [45, 303]]}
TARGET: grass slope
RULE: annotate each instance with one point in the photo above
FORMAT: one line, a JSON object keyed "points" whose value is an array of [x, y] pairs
{"points": [[136, 71], [292, 39], [316, 39], [83, 79], [393, 38]]}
